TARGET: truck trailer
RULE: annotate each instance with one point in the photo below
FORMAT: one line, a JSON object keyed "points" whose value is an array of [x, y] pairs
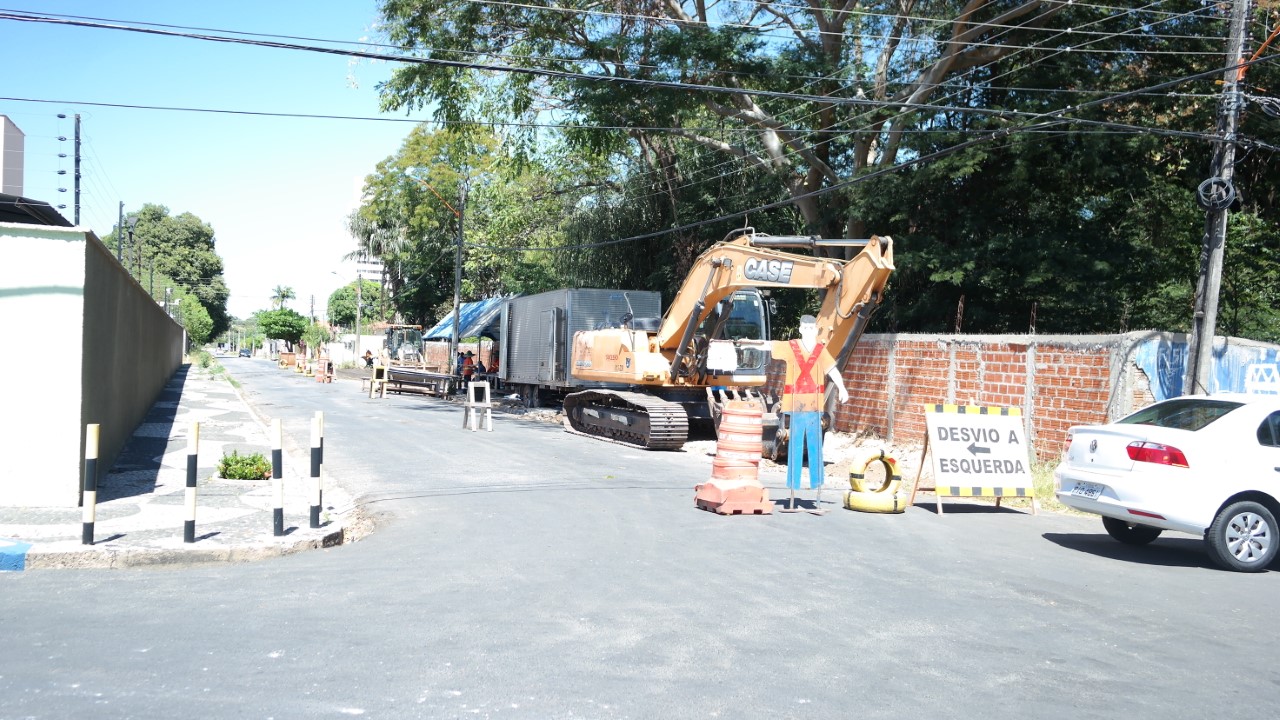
{"points": [[536, 346]]}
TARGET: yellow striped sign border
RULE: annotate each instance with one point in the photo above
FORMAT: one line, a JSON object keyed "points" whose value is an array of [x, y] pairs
{"points": [[974, 491], [974, 409]]}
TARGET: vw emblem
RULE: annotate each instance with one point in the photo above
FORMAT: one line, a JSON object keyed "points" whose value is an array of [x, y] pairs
{"points": [[1093, 446]]}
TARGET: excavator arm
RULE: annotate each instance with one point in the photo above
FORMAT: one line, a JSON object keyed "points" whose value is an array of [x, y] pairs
{"points": [[851, 287], [667, 370]]}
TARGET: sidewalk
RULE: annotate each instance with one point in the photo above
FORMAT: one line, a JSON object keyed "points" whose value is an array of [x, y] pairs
{"points": [[141, 500]]}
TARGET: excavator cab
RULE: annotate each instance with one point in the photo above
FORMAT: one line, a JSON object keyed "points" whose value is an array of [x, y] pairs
{"points": [[741, 319]]}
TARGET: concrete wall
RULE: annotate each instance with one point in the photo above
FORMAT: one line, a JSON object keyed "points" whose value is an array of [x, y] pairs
{"points": [[131, 349], [1058, 380], [105, 352], [341, 351]]}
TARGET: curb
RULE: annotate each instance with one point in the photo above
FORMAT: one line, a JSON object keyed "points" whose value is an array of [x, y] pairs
{"points": [[355, 524], [112, 558]]}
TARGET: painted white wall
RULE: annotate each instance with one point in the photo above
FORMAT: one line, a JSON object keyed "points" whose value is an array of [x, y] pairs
{"points": [[41, 285], [341, 351], [106, 352]]}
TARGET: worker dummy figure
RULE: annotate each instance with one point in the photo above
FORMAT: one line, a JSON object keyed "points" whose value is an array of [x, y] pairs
{"points": [[808, 361]]}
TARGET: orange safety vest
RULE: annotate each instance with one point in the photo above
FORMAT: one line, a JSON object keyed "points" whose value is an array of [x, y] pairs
{"points": [[803, 390]]}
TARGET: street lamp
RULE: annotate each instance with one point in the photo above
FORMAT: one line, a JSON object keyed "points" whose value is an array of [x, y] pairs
{"points": [[355, 346], [130, 221]]}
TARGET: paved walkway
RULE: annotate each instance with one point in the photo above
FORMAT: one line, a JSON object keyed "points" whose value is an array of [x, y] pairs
{"points": [[141, 501]]}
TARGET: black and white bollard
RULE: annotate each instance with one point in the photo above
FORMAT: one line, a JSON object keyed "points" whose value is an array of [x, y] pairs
{"points": [[315, 472], [193, 449], [320, 417], [277, 478], [90, 500]]}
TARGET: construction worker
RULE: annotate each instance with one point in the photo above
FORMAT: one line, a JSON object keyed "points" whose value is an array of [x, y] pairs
{"points": [[802, 398], [468, 366]]}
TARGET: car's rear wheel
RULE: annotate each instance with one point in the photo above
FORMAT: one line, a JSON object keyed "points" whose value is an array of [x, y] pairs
{"points": [[1243, 537], [1130, 533]]}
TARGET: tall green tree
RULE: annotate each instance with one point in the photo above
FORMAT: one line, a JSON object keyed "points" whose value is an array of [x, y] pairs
{"points": [[181, 251], [282, 324], [195, 319], [1087, 223], [281, 295], [1088, 226], [342, 304], [812, 95]]}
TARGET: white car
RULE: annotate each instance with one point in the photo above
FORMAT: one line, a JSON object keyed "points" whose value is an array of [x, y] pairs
{"points": [[1205, 465]]}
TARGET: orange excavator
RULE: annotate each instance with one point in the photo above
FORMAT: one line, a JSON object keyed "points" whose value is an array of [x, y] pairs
{"points": [[684, 365]]}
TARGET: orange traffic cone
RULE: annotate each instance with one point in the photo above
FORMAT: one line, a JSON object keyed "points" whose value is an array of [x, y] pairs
{"points": [[734, 488]]}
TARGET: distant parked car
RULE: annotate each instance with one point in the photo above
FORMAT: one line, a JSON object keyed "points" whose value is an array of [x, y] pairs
{"points": [[245, 352], [1205, 465]]}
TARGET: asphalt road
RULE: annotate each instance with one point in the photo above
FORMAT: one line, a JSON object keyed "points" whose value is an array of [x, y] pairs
{"points": [[528, 573]]}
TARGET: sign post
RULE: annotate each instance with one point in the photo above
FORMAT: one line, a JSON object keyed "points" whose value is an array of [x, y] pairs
{"points": [[977, 451]]}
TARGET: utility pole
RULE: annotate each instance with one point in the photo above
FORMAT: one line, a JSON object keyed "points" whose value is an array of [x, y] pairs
{"points": [[1216, 195], [457, 272], [120, 233], [359, 302], [77, 178]]}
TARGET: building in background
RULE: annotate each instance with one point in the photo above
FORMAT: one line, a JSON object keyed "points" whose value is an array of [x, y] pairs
{"points": [[12, 147]]}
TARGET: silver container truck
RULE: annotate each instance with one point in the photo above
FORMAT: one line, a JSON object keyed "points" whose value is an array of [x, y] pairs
{"points": [[537, 336]]}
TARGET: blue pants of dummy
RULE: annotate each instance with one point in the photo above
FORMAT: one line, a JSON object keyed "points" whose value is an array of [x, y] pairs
{"points": [[806, 432]]}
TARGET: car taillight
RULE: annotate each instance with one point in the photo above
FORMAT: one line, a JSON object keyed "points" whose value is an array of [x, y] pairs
{"points": [[1156, 453]]}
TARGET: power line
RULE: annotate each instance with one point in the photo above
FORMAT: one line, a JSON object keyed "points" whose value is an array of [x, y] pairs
{"points": [[455, 64], [796, 33], [1052, 119], [867, 128], [564, 74], [791, 153]]}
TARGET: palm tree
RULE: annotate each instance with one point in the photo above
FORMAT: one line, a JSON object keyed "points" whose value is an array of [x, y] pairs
{"points": [[281, 295]]}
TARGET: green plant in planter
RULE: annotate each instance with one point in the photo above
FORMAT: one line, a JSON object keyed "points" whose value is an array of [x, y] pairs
{"points": [[244, 467]]}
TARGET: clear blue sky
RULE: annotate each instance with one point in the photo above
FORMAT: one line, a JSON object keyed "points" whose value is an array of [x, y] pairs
{"points": [[276, 190]]}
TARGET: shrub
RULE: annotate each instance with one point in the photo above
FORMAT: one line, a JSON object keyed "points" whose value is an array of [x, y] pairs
{"points": [[244, 467]]}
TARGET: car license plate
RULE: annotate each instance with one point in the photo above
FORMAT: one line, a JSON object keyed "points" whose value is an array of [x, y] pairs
{"points": [[1087, 490]]}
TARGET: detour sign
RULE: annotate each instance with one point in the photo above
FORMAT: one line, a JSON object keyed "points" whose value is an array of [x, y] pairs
{"points": [[978, 451]]}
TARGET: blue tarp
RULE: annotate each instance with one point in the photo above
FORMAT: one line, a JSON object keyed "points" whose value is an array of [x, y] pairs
{"points": [[476, 319]]}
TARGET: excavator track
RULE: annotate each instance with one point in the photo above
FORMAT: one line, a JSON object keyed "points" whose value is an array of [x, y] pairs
{"points": [[629, 418]]}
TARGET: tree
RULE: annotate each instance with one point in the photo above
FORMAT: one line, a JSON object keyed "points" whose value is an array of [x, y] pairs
{"points": [[408, 217], [1075, 225], [281, 295], [282, 324], [315, 335], [182, 252], [196, 320], [811, 95], [342, 303]]}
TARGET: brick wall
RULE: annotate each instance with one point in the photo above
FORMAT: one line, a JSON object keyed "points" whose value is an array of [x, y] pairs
{"points": [[1058, 381]]}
